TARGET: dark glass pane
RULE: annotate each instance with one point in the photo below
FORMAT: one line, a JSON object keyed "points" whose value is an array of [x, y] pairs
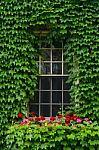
{"points": [[45, 83], [34, 108], [56, 97], [45, 110], [66, 97], [56, 83], [57, 55], [46, 55], [65, 68], [45, 97], [55, 109], [45, 68], [66, 86], [56, 44], [57, 68]]}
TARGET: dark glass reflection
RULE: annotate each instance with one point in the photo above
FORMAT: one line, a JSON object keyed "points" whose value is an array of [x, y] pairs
{"points": [[65, 68], [46, 56], [57, 68], [56, 83], [45, 68], [45, 83], [45, 110], [66, 97], [57, 55], [56, 97], [45, 97], [34, 108], [55, 109]]}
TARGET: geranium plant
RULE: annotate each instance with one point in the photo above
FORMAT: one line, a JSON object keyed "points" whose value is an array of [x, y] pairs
{"points": [[65, 120]]}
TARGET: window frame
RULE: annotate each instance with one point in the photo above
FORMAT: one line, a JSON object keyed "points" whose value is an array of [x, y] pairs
{"points": [[51, 75]]}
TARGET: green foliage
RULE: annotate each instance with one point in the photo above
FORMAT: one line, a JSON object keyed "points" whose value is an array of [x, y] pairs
{"points": [[74, 22], [53, 137]]}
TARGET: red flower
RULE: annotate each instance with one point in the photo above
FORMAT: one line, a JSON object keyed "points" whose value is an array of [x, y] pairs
{"points": [[67, 121], [52, 118], [67, 118], [32, 113], [59, 122], [37, 118], [42, 118], [20, 115], [68, 115], [60, 116], [74, 117]]}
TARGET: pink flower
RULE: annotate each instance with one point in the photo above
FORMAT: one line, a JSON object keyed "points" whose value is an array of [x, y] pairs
{"points": [[86, 119], [31, 119], [79, 120], [25, 121]]}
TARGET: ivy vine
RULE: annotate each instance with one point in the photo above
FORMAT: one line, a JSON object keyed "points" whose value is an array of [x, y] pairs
{"points": [[76, 23]]}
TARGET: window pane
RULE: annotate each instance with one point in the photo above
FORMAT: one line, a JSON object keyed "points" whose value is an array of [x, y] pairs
{"points": [[45, 97], [57, 55], [56, 97], [66, 97], [55, 109], [66, 86], [45, 68], [45, 110], [65, 68], [46, 55], [57, 68], [34, 108], [56, 83], [45, 83]]}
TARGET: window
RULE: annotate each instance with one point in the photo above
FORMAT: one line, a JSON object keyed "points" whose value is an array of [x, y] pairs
{"points": [[53, 91]]}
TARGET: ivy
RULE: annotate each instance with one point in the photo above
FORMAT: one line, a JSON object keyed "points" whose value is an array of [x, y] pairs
{"points": [[53, 137], [74, 22]]}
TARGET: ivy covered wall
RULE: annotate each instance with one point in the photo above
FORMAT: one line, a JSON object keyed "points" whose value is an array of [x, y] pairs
{"points": [[77, 23]]}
